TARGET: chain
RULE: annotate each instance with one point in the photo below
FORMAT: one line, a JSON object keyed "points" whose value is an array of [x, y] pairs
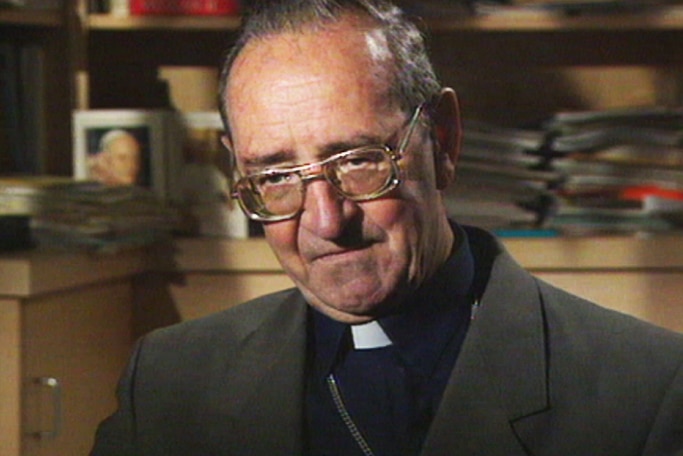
{"points": [[346, 417]]}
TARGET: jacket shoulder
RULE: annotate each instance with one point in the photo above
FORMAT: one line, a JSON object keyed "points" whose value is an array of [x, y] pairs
{"points": [[235, 322]]}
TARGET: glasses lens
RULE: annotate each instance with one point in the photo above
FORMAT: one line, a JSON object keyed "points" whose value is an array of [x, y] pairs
{"points": [[271, 195], [362, 174]]}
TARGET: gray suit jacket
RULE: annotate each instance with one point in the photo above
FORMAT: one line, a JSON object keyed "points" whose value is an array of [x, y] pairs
{"points": [[541, 372]]}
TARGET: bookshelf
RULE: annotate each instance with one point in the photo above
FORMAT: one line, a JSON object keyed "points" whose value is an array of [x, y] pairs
{"points": [[510, 41], [507, 20], [514, 20], [94, 51], [75, 42], [514, 66]]}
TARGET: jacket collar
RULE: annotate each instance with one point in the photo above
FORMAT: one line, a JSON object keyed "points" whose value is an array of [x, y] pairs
{"points": [[505, 347]]}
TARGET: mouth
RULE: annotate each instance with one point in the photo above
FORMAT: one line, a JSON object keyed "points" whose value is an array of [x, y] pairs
{"points": [[341, 252]]}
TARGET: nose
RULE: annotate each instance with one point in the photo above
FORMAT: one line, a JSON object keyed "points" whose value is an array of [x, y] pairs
{"points": [[325, 212]]}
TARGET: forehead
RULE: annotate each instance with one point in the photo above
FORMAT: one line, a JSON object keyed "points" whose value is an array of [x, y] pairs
{"points": [[291, 85]]}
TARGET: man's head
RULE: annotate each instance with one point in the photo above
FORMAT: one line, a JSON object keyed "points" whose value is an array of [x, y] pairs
{"points": [[118, 159], [311, 79]]}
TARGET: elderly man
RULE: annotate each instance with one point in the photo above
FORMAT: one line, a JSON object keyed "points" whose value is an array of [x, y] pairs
{"points": [[118, 160], [407, 334]]}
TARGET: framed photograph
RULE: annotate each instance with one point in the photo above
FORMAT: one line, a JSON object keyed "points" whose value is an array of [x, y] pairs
{"points": [[199, 177], [121, 147]]}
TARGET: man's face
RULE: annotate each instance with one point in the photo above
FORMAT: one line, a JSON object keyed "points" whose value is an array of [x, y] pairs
{"points": [[299, 98], [124, 154]]}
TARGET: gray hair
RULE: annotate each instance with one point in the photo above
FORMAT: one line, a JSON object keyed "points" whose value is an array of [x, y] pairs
{"points": [[414, 80]]}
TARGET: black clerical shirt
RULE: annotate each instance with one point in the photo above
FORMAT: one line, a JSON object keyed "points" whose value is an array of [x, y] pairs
{"points": [[390, 395]]}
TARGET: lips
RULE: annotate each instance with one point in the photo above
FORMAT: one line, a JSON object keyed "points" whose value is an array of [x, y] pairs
{"points": [[347, 246], [338, 254]]}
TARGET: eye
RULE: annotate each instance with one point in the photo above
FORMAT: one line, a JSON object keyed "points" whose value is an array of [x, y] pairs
{"points": [[358, 161], [368, 159], [273, 179]]}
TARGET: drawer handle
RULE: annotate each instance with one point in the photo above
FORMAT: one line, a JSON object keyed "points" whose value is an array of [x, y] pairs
{"points": [[55, 387]]}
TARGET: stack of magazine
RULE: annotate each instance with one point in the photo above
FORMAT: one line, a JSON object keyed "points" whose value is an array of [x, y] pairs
{"points": [[67, 214], [502, 182], [623, 168]]}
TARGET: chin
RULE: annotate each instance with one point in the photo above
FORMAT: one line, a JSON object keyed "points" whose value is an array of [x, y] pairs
{"points": [[360, 312]]}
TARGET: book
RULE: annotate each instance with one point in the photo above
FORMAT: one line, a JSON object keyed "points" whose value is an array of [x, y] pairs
{"points": [[68, 214], [12, 159], [33, 110], [22, 108]]}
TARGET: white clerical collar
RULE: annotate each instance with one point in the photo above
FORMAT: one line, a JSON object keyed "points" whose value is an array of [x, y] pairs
{"points": [[369, 335]]}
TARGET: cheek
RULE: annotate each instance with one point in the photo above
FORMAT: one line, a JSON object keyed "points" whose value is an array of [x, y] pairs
{"points": [[399, 219], [282, 237]]}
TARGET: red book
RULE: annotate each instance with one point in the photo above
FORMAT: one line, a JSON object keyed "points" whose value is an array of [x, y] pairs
{"points": [[184, 7]]}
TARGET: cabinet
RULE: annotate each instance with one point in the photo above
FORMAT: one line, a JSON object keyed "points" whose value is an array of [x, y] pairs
{"points": [[65, 336]]}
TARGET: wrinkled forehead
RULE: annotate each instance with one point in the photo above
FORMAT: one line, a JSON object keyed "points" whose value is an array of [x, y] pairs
{"points": [[283, 67]]}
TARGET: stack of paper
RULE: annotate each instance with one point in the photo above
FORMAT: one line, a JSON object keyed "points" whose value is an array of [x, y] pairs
{"points": [[623, 167], [502, 182], [76, 214]]}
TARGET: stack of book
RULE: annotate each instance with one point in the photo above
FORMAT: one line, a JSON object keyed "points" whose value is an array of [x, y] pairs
{"points": [[623, 168], [68, 214], [502, 182]]}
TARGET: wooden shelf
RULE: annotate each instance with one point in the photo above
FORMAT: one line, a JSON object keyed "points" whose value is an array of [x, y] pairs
{"points": [[505, 20], [512, 19], [31, 18]]}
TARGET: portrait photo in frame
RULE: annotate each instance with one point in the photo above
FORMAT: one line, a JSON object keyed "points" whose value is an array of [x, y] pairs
{"points": [[122, 147]]}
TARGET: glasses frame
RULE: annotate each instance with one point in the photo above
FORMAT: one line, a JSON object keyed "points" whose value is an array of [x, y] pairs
{"points": [[306, 173]]}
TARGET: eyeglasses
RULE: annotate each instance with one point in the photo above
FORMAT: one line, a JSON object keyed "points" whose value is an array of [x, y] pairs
{"points": [[359, 174]]}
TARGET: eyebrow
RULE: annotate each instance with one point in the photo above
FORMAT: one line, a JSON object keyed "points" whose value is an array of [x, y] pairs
{"points": [[356, 142], [286, 155], [270, 159]]}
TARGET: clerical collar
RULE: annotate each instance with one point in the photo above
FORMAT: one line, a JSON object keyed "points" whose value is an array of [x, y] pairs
{"points": [[369, 335], [421, 330]]}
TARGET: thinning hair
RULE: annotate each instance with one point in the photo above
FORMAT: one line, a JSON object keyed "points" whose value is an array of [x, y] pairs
{"points": [[414, 80]]}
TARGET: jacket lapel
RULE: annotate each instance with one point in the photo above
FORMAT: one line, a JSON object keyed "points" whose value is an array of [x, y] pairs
{"points": [[266, 397], [500, 375]]}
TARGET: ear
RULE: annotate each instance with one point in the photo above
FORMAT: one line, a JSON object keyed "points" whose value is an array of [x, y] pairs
{"points": [[231, 159], [227, 143], [447, 131]]}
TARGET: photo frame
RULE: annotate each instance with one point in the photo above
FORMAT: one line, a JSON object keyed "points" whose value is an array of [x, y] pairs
{"points": [[122, 147], [199, 177]]}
